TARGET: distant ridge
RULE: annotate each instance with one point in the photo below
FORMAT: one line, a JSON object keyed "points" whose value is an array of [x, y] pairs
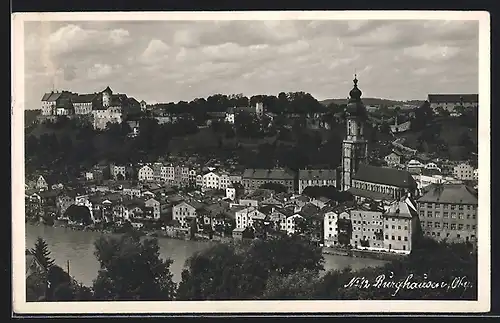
{"points": [[374, 101]]}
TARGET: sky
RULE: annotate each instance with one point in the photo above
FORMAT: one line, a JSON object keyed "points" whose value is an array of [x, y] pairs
{"points": [[168, 61]]}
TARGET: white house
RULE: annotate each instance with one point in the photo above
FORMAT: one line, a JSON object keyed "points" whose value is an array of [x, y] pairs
{"points": [[290, 223], [145, 174], [414, 165], [211, 181], [464, 172], [432, 166], [330, 227], [245, 217], [155, 206]]}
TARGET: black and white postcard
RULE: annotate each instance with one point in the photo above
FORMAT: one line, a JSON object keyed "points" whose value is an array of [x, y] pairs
{"points": [[251, 162]]}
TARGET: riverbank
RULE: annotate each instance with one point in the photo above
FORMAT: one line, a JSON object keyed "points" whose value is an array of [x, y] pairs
{"points": [[77, 247], [183, 235]]}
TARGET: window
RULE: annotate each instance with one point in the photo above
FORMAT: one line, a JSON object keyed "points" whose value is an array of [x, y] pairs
{"points": [[406, 227], [387, 226], [399, 238], [399, 227], [437, 224], [461, 216], [429, 214], [473, 227], [452, 207], [392, 237], [386, 237], [460, 226], [453, 226], [438, 214], [445, 214], [421, 213], [445, 206], [460, 207], [453, 215]]}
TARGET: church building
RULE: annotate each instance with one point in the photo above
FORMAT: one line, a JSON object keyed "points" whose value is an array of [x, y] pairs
{"points": [[359, 178]]}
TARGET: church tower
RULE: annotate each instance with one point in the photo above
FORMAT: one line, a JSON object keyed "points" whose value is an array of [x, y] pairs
{"points": [[354, 146]]}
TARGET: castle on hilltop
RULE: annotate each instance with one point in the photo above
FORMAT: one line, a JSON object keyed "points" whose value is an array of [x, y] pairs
{"points": [[101, 107]]}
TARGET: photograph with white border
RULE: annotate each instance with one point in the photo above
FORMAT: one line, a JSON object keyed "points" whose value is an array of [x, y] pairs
{"points": [[251, 162]]}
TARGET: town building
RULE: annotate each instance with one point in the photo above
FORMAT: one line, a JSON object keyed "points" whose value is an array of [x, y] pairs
{"points": [[400, 227], [330, 231], [145, 174], [84, 104], [185, 211], [450, 101], [449, 211], [316, 177], [211, 180], [258, 110], [253, 178], [155, 206], [464, 172], [394, 158], [415, 166], [367, 226]]}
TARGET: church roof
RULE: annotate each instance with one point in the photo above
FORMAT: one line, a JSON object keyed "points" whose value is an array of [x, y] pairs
{"points": [[384, 175]]}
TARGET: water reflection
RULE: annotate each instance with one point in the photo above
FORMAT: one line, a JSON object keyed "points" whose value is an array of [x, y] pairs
{"points": [[78, 247]]}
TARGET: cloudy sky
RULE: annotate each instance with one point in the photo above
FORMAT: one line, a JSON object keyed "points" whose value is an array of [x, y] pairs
{"points": [[165, 61]]}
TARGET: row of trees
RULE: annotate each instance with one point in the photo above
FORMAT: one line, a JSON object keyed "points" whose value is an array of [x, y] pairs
{"points": [[292, 102], [285, 267]]}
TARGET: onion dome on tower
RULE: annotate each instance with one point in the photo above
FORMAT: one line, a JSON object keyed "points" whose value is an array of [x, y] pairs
{"points": [[355, 107]]}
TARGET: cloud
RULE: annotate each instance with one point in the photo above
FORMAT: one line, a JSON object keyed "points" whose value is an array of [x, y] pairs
{"points": [[156, 51], [182, 60], [428, 52], [99, 71]]}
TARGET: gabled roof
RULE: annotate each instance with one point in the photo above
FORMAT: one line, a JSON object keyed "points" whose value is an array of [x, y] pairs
{"points": [[317, 174], [276, 174], [107, 89], [385, 175], [83, 98], [52, 96], [449, 193], [369, 194]]}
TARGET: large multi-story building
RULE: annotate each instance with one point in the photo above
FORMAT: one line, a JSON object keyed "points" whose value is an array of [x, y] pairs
{"points": [[464, 172], [367, 226], [253, 178], [316, 177], [450, 101], [449, 211], [400, 226]]}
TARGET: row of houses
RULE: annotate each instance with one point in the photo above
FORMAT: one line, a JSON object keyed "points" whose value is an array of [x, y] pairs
{"points": [[462, 171]]}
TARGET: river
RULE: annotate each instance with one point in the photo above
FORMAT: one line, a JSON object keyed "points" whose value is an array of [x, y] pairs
{"points": [[77, 247]]}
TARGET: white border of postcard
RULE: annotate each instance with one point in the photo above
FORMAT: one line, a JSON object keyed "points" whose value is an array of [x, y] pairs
{"points": [[20, 305]]}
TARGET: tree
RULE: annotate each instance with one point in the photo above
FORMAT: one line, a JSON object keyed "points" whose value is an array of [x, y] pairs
{"points": [[42, 253], [298, 285], [79, 214], [212, 274], [132, 270]]}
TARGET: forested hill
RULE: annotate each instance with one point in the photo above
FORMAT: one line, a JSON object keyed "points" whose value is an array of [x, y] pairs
{"points": [[373, 101]]}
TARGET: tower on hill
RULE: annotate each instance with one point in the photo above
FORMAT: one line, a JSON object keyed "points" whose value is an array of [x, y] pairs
{"points": [[354, 146]]}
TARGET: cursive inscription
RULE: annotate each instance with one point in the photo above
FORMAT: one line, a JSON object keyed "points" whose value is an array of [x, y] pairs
{"points": [[407, 283]]}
